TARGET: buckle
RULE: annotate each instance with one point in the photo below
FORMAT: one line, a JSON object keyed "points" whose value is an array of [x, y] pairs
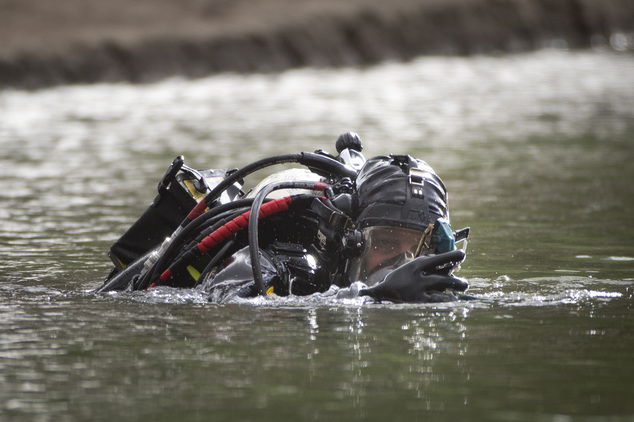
{"points": [[417, 181]]}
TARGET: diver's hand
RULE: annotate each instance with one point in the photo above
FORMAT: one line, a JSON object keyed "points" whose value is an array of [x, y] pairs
{"points": [[424, 279]]}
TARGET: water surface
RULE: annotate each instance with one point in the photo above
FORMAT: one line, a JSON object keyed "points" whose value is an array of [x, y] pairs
{"points": [[536, 151]]}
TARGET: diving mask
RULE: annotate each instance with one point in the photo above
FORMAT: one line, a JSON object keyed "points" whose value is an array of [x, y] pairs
{"points": [[386, 248]]}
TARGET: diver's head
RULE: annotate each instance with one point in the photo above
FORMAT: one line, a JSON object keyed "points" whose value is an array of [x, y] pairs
{"points": [[399, 197]]}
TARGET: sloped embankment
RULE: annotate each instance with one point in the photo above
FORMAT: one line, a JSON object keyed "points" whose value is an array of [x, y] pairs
{"points": [[83, 41]]}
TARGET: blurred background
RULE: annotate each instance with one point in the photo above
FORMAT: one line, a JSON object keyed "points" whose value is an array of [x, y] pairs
{"points": [[72, 41], [525, 108]]}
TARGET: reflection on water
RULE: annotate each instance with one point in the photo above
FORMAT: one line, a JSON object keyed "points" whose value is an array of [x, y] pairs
{"points": [[535, 149], [70, 354]]}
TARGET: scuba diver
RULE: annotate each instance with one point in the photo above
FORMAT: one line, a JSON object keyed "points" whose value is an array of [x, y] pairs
{"points": [[377, 228]]}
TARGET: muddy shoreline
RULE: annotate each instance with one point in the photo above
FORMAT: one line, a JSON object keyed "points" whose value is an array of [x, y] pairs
{"points": [[86, 41]]}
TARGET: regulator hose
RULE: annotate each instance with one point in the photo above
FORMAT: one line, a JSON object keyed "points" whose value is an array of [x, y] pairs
{"points": [[254, 247], [180, 237], [308, 159], [216, 259], [221, 234]]}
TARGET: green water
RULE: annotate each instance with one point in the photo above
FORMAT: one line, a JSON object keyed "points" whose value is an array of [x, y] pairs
{"points": [[536, 151]]}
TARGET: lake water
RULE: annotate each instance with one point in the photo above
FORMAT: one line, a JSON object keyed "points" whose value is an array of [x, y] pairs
{"points": [[537, 152]]}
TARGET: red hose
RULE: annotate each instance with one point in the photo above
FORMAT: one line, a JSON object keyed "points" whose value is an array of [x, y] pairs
{"points": [[227, 230]]}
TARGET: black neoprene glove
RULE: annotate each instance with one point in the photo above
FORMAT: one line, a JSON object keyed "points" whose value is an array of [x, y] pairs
{"points": [[425, 279]]}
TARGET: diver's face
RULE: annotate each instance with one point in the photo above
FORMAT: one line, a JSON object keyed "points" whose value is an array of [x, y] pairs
{"points": [[386, 243]]}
